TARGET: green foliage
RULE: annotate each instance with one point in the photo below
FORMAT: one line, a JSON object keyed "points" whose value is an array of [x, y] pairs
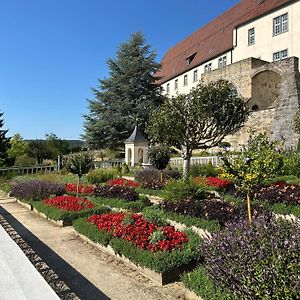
{"points": [[80, 164], [55, 146], [127, 95], [194, 121], [24, 160], [159, 156], [18, 148], [200, 282], [64, 215], [261, 160], [38, 150], [101, 175], [154, 213], [292, 164], [296, 123], [151, 192], [4, 143], [204, 170], [125, 168], [176, 190]]}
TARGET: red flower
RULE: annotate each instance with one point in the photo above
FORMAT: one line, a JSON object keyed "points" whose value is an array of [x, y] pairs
{"points": [[139, 230], [218, 183], [123, 182], [82, 189], [69, 203]]}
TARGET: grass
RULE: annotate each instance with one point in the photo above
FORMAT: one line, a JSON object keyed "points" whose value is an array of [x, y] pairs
{"points": [[150, 192]]}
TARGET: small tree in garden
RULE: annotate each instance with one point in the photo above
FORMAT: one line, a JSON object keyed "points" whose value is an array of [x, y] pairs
{"points": [[198, 120], [79, 164], [159, 156], [261, 160]]}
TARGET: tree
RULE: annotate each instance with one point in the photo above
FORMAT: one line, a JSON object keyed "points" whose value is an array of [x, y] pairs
{"points": [[159, 156], [127, 95], [55, 146], [260, 160], [79, 164], [17, 147], [38, 150], [4, 142], [198, 120]]}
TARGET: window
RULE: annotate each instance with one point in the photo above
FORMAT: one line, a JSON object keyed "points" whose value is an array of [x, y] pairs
{"points": [[251, 36], [222, 62], [207, 68], [168, 88], [190, 58], [185, 80], [176, 84], [280, 55], [195, 76], [280, 24]]}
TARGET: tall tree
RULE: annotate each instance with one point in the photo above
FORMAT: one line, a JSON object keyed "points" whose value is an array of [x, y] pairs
{"points": [[17, 147], [4, 142], [55, 146], [127, 95], [198, 120]]}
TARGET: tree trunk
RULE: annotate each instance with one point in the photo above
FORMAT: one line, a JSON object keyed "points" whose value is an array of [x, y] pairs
{"points": [[249, 206], [186, 155]]}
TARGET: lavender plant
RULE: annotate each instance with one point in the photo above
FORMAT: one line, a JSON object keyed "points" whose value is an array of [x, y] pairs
{"points": [[261, 261]]}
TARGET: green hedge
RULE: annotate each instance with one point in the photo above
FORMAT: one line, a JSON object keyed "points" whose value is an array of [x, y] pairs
{"points": [[64, 215], [159, 261], [155, 212], [199, 282], [134, 206]]}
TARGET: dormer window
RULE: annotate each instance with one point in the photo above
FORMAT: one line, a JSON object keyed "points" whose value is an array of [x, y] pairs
{"points": [[190, 58]]}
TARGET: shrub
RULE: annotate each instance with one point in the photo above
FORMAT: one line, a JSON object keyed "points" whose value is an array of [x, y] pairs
{"points": [[82, 189], [100, 175], [219, 183], [203, 170], [202, 284], [159, 156], [117, 192], [180, 190], [24, 160], [291, 164], [125, 169], [256, 262], [154, 179], [36, 190]]}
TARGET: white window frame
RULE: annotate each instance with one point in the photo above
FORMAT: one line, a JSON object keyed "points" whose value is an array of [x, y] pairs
{"points": [[207, 67], [280, 24], [251, 36], [185, 80], [195, 76], [222, 62], [280, 55]]}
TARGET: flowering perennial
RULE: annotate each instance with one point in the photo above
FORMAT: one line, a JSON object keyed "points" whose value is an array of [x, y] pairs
{"points": [[123, 182], [82, 189], [135, 228], [69, 203], [213, 181]]}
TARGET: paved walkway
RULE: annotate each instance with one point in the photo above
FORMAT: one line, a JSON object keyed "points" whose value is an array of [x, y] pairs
{"points": [[89, 273], [18, 277]]}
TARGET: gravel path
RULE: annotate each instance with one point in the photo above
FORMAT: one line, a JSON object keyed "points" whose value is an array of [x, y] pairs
{"points": [[88, 272]]}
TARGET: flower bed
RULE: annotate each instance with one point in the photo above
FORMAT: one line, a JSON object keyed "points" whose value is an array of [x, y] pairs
{"points": [[161, 249], [65, 209], [82, 189], [117, 192], [123, 182], [213, 182]]}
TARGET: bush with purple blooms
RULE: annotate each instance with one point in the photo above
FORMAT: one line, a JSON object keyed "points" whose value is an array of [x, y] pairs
{"points": [[155, 179], [37, 190], [116, 191], [258, 261], [212, 209]]}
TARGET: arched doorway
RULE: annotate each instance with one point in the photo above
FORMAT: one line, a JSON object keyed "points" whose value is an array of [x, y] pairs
{"points": [[140, 155], [129, 157]]}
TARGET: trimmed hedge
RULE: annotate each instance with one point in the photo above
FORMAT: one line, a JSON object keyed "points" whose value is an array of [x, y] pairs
{"points": [[161, 261], [64, 215]]}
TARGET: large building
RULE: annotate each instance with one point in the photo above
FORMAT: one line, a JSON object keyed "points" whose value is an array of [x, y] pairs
{"points": [[255, 45]]}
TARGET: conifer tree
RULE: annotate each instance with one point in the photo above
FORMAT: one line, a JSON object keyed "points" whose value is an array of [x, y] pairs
{"points": [[4, 142], [127, 95]]}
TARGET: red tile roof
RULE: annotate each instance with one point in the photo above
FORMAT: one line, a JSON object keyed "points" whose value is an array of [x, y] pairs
{"points": [[214, 38]]}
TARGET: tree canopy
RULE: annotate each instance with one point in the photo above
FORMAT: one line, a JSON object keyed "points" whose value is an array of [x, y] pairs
{"points": [[4, 142], [200, 119], [125, 97], [17, 147]]}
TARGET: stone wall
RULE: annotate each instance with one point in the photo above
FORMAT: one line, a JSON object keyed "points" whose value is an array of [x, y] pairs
{"points": [[272, 90]]}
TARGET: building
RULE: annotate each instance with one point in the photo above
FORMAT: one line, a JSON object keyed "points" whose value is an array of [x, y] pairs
{"points": [[255, 45]]}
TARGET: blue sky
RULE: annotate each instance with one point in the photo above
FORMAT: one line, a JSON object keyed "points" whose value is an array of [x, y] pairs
{"points": [[53, 51]]}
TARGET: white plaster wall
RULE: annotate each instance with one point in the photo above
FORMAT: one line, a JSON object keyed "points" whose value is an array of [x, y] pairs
{"points": [[265, 43]]}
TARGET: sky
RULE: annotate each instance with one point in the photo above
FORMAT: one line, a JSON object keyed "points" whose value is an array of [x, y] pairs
{"points": [[52, 53]]}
